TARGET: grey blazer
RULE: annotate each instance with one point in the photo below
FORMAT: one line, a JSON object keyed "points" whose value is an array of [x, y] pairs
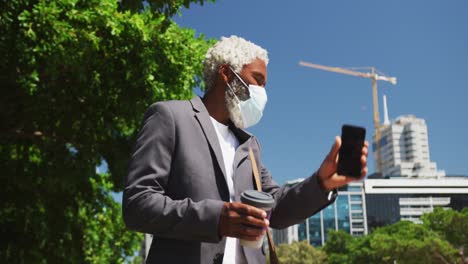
{"points": [[175, 187]]}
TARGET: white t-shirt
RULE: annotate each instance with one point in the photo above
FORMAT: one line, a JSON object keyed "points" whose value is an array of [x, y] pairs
{"points": [[229, 143]]}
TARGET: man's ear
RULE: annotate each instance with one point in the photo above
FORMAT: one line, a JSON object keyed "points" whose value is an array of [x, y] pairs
{"points": [[224, 73]]}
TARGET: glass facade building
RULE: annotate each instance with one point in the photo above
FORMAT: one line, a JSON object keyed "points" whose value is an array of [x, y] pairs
{"points": [[362, 206], [391, 200], [347, 213]]}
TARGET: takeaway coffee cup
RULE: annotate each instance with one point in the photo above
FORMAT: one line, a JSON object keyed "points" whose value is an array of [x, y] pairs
{"points": [[260, 200]]}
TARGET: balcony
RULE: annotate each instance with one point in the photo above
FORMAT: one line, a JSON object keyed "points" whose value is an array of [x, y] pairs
{"points": [[415, 211], [427, 201]]}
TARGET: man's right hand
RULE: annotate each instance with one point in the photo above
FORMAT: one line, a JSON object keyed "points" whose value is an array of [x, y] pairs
{"points": [[242, 221]]}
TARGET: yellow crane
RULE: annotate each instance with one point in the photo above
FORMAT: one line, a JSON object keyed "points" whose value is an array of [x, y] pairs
{"points": [[375, 76]]}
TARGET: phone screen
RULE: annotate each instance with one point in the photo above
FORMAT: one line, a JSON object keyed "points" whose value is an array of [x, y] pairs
{"points": [[352, 141]]}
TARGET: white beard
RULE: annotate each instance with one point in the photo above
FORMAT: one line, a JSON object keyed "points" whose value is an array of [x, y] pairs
{"points": [[233, 107]]}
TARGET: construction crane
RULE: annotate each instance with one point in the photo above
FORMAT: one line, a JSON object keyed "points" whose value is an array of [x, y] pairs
{"points": [[375, 76]]}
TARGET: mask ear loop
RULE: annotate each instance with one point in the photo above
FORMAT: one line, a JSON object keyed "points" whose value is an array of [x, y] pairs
{"points": [[246, 86], [232, 93], [237, 101]]}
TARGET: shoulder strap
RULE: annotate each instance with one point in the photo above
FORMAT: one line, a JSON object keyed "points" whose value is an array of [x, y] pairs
{"points": [[271, 244]]}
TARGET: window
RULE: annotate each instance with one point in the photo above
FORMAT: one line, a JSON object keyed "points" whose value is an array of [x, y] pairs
{"points": [[354, 188], [357, 215], [356, 207]]}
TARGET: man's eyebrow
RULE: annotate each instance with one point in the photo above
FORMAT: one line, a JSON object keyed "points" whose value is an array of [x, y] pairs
{"points": [[259, 75]]}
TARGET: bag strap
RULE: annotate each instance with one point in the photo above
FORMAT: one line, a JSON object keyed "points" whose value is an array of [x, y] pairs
{"points": [[271, 244]]}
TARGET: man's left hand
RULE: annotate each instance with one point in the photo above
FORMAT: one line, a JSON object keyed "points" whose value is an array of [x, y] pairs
{"points": [[329, 179]]}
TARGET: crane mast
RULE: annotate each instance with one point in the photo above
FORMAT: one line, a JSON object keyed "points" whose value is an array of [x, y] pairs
{"points": [[374, 76]]}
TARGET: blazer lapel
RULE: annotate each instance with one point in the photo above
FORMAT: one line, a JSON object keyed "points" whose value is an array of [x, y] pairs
{"points": [[243, 179], [203, 118], [244, 142]]}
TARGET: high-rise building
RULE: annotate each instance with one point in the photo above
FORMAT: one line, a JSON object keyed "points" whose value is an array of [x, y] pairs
{"points": [[286, 235], [408, 186], [146, 245], [391, 200], [404, 148], [363, 206], [347, 213]]}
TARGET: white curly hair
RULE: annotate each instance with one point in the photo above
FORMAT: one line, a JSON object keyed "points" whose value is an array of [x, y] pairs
{"points": [[234, 51]]}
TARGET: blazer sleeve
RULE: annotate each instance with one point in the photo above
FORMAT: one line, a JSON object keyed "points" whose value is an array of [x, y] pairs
{"points": [[146, 207], [296, 202]]}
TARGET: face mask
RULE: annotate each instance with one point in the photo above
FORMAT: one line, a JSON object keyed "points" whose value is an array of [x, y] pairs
{"points": [[251, 109]]}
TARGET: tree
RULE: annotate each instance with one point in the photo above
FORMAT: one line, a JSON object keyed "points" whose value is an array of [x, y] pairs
{"points": [[450, 224], [407, 242], [166, 7], [300, 253], [402, 242], [338, 246], [76, 78]]}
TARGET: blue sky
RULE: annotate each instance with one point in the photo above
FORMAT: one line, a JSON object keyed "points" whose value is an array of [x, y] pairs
{"points": [[422, 43]]}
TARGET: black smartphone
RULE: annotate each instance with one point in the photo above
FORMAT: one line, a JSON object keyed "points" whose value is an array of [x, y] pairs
{"points": [[352, 141]]}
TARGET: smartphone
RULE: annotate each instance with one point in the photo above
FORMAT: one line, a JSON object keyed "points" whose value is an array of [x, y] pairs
{"points": [[352, 141]]}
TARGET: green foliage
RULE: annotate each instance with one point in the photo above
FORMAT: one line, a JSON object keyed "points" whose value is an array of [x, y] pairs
{"points": [[166, 7], [402, 242], [76, 78], [450, 225], [106, 239], [338, 246], [300, 253], [407, 242]]}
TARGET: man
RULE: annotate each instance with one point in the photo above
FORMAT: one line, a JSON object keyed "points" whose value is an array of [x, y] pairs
{"points": [[190, 164]]}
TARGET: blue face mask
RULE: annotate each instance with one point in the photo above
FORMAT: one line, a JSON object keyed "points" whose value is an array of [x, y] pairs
{"points": [[251, 104]]}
